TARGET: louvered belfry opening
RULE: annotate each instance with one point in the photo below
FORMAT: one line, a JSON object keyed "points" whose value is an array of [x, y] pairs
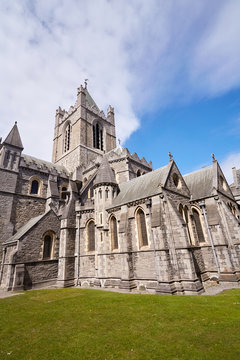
{"points": [[114, 235], [97, 136], [67, 138], [91, 235], [198, 225], [142, 229]]}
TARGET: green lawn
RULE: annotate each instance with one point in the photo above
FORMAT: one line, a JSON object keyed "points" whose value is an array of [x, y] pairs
{"points": [[90, 324]]}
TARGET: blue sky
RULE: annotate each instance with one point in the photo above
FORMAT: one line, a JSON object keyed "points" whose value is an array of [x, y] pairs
{"points": [[169, 68], [191, 132]]}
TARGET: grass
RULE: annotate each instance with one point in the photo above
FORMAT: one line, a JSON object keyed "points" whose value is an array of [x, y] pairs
{"points": [[91, 324]]}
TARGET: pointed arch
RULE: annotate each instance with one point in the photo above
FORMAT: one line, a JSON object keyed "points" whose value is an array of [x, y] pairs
{"points": [[91, 235], [198, 225], [67, 137], [184, 211], [141, 228], [138, 173], [97, 136], [114, 232], [48, 245], [35, 186]]}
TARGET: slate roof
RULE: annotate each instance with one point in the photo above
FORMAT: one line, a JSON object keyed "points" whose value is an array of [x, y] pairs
{"points": [[142, 186], [30, 160], [90, 100], [105, 174], [13, 138], [25, 228], [200, 182]]}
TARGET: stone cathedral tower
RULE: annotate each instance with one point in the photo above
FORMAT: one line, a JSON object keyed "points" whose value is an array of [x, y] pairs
{"points": [[82, 133], [99, 216]]}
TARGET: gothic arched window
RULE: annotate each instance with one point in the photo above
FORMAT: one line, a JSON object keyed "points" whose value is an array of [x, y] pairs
{"points": [[67, 138], [185, 215], [34, 187], [48, 244], [198, 225], [138, 173], [114, 234], [97, 136], [91, 235], [142, 229]]}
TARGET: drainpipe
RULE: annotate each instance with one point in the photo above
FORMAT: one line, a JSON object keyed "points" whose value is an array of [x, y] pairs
{"points": [[202, 206], [2, 264], [78, 248], [149, 206]]}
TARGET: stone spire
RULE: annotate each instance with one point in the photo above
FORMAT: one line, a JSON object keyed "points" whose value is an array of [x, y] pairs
{"points": [[105, 174], [14, 138]]}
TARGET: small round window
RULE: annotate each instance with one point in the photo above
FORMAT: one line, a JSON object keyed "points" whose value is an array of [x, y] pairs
{"points": [[176, 180]]}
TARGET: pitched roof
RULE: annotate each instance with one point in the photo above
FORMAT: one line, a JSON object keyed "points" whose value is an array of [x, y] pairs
{"points": [[105, 174], [200, 182], [30, 160], [25, 228], [14, 138], [142, 186], [90, 100]]}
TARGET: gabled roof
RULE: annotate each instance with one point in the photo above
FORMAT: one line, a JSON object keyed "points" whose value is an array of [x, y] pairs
{"points": [[14, 138], [90, 100], [105, 174], [142, 186], [200, 182], [25, 228]]}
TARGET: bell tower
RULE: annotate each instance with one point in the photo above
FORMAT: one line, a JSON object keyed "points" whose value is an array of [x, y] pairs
{"points": [[83, 132]]}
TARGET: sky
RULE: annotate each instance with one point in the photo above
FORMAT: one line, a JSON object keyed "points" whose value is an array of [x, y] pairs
{"points": [[169, 68]]}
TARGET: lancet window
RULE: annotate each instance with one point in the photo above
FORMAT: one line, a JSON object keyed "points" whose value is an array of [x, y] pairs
{"points": [[114, 234], [142, 229], [48, 244], [91, 235], [198, 225]]}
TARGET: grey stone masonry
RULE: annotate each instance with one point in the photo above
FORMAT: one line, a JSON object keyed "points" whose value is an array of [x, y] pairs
{"points": [[100, 216]]}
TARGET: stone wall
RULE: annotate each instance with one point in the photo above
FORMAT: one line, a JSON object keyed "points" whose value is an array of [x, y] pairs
{"points": [[31, 245]]}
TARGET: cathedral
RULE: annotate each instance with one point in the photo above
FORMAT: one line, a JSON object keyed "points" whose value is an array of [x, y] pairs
{"points": [[98, 216]]}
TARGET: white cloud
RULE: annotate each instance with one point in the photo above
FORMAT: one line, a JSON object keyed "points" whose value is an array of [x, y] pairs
{"points": [[232, 160], [138, 55], [216, 60]]}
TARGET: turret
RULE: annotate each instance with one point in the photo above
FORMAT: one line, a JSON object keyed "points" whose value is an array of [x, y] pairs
{"points": [[11, 150], [105, 189]]}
